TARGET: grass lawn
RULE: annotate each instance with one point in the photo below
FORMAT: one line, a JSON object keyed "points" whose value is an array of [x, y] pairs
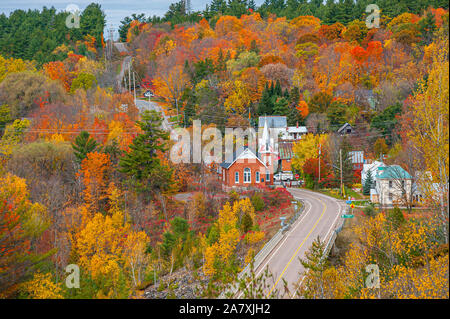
{"points": [[173, 119], [334, 192]]}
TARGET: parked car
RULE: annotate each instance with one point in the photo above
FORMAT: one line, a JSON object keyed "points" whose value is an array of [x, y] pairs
{"points": [[283, 176], [149, 93]]}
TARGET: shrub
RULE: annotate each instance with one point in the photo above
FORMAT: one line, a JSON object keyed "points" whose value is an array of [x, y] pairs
{"points": [[246, 223], [369, 210], [396, 217], [258, 202]]}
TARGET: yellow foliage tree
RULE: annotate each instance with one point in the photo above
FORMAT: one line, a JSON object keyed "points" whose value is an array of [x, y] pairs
{"points": [[42, 287], [306, 148], [430, 130], [239, 99], [12, 65]]}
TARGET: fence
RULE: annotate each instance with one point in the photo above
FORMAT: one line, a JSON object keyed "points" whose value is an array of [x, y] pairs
{"points": [[333, 236], [266, 250]]}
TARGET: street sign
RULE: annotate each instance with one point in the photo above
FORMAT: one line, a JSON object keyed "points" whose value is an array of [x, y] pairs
{"points": [[352, 205], [347, 216], [297, 176], [348, 202]]}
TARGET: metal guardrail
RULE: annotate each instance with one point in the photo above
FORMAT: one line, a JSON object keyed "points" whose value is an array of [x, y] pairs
{"points": [[267, 249], [333, 236]]}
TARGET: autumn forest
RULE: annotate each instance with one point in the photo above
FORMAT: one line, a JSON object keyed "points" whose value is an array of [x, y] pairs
{"points": [[86, 177]]}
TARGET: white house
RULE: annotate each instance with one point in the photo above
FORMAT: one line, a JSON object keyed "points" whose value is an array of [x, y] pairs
{"points": [[372, 167], [393, 186], [294, 133]]}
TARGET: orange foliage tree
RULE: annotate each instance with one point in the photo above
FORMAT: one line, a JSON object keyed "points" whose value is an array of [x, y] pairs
{"points": [[94, 170]]}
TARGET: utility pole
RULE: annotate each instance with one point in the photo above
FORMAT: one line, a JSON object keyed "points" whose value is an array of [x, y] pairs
{"points": [[320, 152], [129, 77], [340, 161], [134, 87], [109, 47], [187, 6]]}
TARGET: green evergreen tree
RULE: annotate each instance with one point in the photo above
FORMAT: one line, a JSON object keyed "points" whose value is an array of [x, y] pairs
{"points": [[396, 217], [265, 106], [83, 145], [427, 27], [277, 89], [368, 183], [315, 264], [145, 171], [281, 106]]}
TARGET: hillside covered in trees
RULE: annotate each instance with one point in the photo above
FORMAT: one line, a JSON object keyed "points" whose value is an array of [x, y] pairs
{"points": [[86, 178]]}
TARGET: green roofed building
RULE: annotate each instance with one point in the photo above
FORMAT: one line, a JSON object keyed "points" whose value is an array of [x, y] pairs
{"points": [[393, 186]]}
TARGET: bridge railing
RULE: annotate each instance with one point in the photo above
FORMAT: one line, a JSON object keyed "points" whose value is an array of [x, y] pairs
{"points": [[336, 231], [265, 251]]}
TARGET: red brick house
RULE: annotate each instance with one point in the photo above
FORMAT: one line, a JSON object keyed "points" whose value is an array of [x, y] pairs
{"points": [[246, 170], [357, 160], [286, 155]]}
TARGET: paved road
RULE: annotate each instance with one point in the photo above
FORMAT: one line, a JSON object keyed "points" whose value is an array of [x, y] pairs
{"points": [[319, 218], [125, 64], [121, 47], [143, 105]]}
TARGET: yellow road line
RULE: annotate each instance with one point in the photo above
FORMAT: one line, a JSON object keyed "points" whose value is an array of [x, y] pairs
{"points": [[295, 253]]}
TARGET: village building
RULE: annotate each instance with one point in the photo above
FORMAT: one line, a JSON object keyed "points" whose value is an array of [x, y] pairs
{"points": [[294, 133], [276, 126], [286, 155], [357, 158], [250, 168], [372, 167], [393, 186], [245, 171], [346, 129]]}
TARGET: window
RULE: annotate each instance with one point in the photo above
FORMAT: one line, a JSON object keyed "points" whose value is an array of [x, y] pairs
{"points": [[236, 178], [267, 176], [390, 184], [390, 197], [223, 175], [257, 177], [247, 175], [403, 184]]}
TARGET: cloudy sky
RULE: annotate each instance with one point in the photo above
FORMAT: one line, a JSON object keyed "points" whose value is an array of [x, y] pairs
{"points": [[115, 10]]}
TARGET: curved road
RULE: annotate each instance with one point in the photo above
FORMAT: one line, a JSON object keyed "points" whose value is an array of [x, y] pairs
{"points": [[150, 105], [319, 218]]}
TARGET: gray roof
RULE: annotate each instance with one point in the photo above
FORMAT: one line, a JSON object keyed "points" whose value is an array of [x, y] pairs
{"points": [[357, 156], [299, 129], [273, 121], [343, 127]]}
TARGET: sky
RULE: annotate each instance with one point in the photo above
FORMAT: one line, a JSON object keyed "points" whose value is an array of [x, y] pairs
{"points": [[115, 10]]}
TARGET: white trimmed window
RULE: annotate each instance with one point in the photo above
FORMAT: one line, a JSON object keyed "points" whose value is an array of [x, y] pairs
{"points": [[257, 177], [267, 176], [223, 174], [247, 175], [236, 178]]}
